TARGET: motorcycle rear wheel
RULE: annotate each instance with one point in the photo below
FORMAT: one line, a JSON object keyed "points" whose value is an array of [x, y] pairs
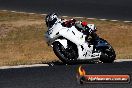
{"points": [[108, 55]]}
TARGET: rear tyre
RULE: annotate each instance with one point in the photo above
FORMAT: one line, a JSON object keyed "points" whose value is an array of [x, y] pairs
{"points": [[108, 55]]}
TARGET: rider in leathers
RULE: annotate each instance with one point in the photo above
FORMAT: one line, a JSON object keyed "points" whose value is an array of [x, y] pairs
{"points": [[82, 26]]}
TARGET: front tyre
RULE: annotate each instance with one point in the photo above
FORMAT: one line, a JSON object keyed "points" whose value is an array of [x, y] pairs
{"points": [[68, 55]]}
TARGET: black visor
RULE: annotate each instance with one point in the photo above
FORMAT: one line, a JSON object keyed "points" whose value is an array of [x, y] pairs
{"points": [[51, 23]]}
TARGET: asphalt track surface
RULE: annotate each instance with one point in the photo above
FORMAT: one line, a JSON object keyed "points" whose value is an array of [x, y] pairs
{"points": [[108, 9], [61, 76]]}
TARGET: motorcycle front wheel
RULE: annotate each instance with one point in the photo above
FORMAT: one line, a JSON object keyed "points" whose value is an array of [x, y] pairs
{"points": [[68, 55]]}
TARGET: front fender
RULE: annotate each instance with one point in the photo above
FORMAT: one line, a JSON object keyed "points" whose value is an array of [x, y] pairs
{"points": [[63, 42]]}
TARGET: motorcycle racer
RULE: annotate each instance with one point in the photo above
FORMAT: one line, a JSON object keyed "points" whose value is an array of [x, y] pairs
{"points": [[68, 40], [51, 19], [82, 26]]}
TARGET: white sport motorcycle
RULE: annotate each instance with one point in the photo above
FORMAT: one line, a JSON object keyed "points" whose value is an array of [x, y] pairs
{"points": [[71, 46]]}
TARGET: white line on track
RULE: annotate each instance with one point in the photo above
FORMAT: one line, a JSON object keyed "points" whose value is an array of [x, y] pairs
{"points": [[45, 65], [31, 13], [43, 14], [122, 60], [91, 18], [64, 16], [114, 20], [103, 19], [67, 16], [13, 11], [78, 17], [21, 12], [23, 66], [127, 21], [4, 10]]}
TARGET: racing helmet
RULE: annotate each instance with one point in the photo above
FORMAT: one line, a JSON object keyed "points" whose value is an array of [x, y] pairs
{"points": [[50, 19]]}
